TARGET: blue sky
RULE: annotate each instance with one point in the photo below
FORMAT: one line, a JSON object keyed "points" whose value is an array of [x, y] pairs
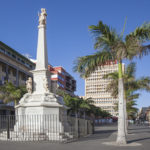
{"points": [[67, 29]]}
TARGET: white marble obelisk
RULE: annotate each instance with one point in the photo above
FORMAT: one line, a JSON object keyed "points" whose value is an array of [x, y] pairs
{"points": [[40, 101], [42, 59], [41, 74]]}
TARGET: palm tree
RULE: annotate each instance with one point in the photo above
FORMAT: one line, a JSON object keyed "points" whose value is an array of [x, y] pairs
{"points": [[131, 110], [85, 105], [112, 46], [130, 103], [73, 103], [130, 86], [80, 106], [9, 92]]}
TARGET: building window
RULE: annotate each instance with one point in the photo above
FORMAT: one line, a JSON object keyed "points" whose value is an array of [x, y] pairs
{"points": [[23, 77], [2, 50], [3, 68], [23, 61], [14, 73], [13, 56], [61, 85], [61, 78], [8, 53], [9, 71], [3, 79], [18, 59], [31, 66], [63, 73]]}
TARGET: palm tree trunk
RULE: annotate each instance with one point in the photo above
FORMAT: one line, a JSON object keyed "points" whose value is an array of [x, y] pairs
{"points": [[126, 117], [121, 137], [15, 102], [127, 123], [125, 112]]}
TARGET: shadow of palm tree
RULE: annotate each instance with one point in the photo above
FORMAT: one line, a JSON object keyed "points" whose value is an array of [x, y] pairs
{"points": [[137, 132], [100, 134], [141, 139], [139, 128], [105, 131]]}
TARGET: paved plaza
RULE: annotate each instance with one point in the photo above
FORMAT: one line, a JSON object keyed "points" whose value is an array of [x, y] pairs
{"points": [[138, 134]]}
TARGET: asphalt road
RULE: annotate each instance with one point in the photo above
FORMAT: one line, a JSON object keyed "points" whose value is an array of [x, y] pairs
{"points": [[138, 134]]}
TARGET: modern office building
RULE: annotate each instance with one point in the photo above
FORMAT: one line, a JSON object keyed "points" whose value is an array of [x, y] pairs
{"points": [[14, 68], [62, 80], [95, 87]]}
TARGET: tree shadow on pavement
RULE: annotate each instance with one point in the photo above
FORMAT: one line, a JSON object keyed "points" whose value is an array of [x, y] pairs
{"points": [[99, 134], [141, 139], [137, 132], [138, 128]]}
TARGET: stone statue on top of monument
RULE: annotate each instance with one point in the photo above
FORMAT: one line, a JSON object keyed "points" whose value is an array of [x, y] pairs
{"points": [[42, 17]]}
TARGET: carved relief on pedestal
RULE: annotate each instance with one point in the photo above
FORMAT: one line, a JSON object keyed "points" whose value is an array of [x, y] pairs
{"points": [[46, 84]]}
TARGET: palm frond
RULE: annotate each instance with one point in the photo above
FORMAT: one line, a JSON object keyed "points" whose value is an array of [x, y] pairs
{"points": [[136, 40], [105, 37], [141, 33], [132, 97], [112, 87], [144, 83], [130, 107], [131, 84], [9, 92], [87, 64], [113, 75], [131, 69]]}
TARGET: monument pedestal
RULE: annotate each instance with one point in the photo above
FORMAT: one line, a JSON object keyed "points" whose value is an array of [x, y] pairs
{"points": [[41, 114], [45, 104]]}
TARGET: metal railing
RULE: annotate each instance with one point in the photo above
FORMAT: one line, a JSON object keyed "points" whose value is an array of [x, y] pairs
{"points": [[43, 128]]}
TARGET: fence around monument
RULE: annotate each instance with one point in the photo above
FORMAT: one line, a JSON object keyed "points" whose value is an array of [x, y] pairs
{"points": [[43, 128]]}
